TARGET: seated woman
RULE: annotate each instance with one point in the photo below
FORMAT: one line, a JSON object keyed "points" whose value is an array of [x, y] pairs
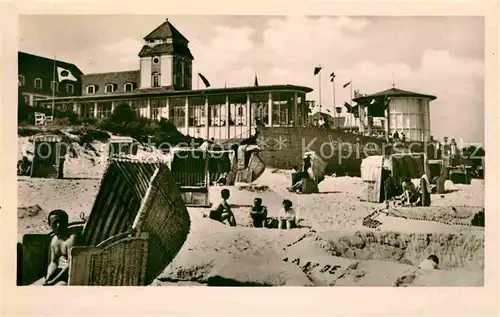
{"points": [[298, 177], [223, 212], [258, 213], [287, 216], [60, 247]]}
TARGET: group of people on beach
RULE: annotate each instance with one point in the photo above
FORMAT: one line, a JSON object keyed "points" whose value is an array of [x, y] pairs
{"points": [[286, 218]]}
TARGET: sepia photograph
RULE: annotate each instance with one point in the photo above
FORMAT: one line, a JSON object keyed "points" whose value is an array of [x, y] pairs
{"points": [[251, 150]]}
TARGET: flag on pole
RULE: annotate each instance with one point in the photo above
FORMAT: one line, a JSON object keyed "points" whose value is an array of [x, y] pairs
{"points": [[346, 84], [65, 74], [348, 107], [332, 76], [205, 80], [317, 70], [256, 81]]}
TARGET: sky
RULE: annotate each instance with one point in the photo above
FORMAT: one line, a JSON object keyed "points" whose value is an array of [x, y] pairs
{"points": [[441, 56]]}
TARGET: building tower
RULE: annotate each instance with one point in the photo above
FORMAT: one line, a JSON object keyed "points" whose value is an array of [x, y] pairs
{"points": [[165, 60]]}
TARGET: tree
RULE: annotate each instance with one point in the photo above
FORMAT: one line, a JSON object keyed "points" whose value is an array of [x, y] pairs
{"points": [[123, 113], [24, 111]]}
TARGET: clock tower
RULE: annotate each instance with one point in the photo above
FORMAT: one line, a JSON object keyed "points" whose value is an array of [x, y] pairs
{"points": [[165, 60]]}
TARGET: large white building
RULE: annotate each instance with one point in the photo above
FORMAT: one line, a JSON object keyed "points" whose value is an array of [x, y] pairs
{"points": [[396, 110]]}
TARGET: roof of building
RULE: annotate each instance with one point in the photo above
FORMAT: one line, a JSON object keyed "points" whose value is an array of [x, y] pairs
{"points": [[29, 64], [166, 48], [164, 31], [117, 78], [162, 91], [394, 92]]}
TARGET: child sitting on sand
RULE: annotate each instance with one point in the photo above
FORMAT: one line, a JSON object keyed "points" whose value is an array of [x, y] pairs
{"points": [[431, 263], [410, 194], [60, 247], [287, 215], [258, 213], [223, 211]]}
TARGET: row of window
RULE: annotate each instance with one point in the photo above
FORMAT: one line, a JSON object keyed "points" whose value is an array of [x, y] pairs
{"points": [[110, 88], [54, 85]]}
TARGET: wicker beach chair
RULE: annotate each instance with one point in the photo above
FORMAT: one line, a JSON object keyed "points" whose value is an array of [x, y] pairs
{"points": [[190, 170], [137, 225], [49, 157]]}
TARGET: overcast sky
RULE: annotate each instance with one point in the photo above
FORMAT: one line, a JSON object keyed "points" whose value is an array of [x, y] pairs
{"points": [[442, 56]]}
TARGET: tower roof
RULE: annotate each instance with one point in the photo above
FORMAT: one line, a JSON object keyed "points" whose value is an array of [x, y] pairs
{"points": [[395, 92], [164, 31]]}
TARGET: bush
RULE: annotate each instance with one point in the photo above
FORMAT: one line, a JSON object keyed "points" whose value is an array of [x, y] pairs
{"points": [[123, 113], [89, 136]]}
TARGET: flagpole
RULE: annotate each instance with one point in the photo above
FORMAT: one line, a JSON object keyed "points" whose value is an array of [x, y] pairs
{"points": [[352, 115], [53, 87], [319, 89], [334, 108], [198, 82]]}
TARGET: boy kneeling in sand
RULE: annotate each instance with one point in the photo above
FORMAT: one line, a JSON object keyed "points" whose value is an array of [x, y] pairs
{"points": [[60, 247], [223, 211], [258, 213]]}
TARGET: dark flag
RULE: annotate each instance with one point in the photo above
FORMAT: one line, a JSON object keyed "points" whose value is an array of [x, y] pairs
{"points": [[348, 107], [332, 75], [205, 80], [256, 82], [317, 70], [346, 84]]}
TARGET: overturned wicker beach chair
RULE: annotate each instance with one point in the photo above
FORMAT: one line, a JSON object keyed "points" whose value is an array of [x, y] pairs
{"points": [[137, 225], [250, 165]]}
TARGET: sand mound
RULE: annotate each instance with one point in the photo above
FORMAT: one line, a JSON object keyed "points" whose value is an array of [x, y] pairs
{"points": [[454, 250]]}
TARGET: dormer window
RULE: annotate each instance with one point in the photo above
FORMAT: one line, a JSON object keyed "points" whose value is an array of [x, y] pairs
{"points": [[109, 88], [169, 41], [155, 79], [70, 89], [38, 83], [21, 80], [91, 89], [54, 85], [128, 87]]}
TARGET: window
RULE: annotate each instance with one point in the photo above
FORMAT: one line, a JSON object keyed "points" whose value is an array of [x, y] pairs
{"points": [[21, 80], [155, 80], [54, 86], [240, 111], [38, 83], [128, 87], [156, 60], [109, 88], [70, 88], [91, 89]]}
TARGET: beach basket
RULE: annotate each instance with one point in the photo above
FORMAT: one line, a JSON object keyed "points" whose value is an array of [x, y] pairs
{"points": [[49, 157]]}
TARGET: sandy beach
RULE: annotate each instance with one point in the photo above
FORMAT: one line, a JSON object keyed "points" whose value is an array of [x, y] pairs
{"points": [[331, 247]]}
